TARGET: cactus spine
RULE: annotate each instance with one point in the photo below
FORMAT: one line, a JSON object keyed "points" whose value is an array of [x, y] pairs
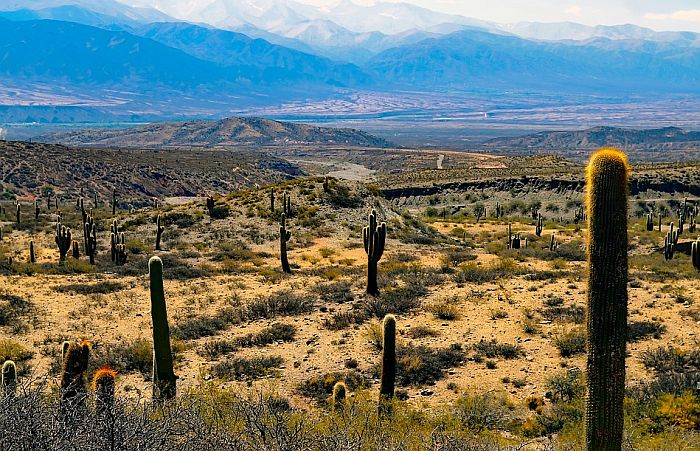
{"points": [[32, 255], [606, 201], [63, 241], [163, 374], [160, 228], [388, 376], [75, 363], [285, 236], [9, 378], [374, 237], [103, 385]]}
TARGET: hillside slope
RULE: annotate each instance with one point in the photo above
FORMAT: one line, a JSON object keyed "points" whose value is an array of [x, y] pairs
{"points": [[226, 132]]}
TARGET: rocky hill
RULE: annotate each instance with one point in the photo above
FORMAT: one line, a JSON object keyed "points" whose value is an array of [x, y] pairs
{"points": [[26, 168], [236, 131], [668, 138]]}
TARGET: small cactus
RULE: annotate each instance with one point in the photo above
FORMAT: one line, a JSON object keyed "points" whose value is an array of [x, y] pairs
{"points": [[210, 205], [75, 363], [37, 210], [285, 236], [19, 213], [32, 255], [374, 237], [76, 249], [695, 253], [163, 375], [103, 385], [339, 395], [650, 222], [91, 241], [160, 228], [9, 378], [388, 375], [272, 201]]}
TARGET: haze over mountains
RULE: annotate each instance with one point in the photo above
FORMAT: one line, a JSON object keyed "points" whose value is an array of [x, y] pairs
{"points": [[94, 60]]}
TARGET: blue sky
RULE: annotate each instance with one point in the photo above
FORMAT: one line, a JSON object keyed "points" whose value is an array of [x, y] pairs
{"points": [[656, 14]]}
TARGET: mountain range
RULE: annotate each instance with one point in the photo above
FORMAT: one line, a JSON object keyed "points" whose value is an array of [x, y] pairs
{"points": [[176, 59], [667, 138]]}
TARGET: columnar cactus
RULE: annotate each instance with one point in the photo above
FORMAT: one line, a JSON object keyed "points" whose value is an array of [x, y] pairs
{"points": [[64, 240], [120, 252], [272, 200], [695, 253], [76, 249], [326, 185], [660, 222], [339, 395], [539, 226], [37, 210], [19, 213], [287, 204], [650, 222], [9, 378], [285, 236], [388, 375], [210, 205], [163, 373], [510, 236], [515, 244], [75, 363], [32, 255], [374, 237], [553, 243], [607, 202], [103, 385], [160, 228], [91, 240]]}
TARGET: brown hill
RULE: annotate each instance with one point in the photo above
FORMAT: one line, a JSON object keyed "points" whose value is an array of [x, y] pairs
{"points": [[237, 131]]}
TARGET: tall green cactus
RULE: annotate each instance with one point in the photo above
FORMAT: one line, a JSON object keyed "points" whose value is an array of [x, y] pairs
{"points": [[539, 226], [388, 375], [285, 236], [63, 240], [695, 253], [19, 213], [37, 210], [91, 240], [163, 374], [607, 202], [32, 255], [650, 222], [374, 237], [75, 363], [160, 228], [9, 378], [272, 201]]}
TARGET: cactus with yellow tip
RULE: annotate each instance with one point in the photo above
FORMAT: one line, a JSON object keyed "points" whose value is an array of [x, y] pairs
{"points": [[339, 395], [607, 192], [75, 363], [163, 373], [103, 383]]}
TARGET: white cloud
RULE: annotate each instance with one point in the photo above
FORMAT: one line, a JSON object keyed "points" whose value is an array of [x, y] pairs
{"points": [[688, 15], [575, 10]]}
